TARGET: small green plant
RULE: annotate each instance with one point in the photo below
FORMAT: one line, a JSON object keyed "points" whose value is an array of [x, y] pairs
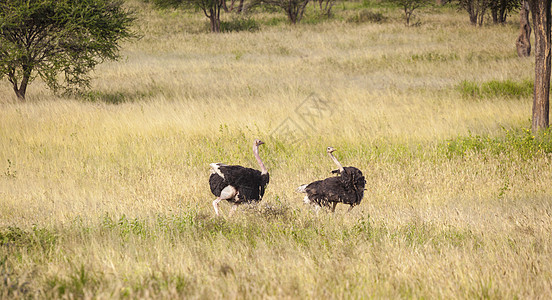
{"points": [[39, 238], [79, 282]]}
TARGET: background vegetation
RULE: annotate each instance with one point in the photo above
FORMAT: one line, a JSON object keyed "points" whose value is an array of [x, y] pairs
{"points": [[105, 195]]}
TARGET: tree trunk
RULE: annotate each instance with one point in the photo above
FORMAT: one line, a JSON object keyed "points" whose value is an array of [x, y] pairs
{"points": [[301, 10], [523, 43], [292, 17], [214, 17], [473, 19], [494, 14], [20, 90], [215, 23], [503, 13], [328, 8], [407, 14], [240, 6], [540, 11], [480, 19]]}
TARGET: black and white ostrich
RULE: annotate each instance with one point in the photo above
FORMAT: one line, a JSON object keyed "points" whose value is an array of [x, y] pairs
{"points": [[347, 188], [238, 184]]}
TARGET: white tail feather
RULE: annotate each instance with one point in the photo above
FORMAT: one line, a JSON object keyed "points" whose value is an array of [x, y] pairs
{"points": [[302, 189], [215, 169]]}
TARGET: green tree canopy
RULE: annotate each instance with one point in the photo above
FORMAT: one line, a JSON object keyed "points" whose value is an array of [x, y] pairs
{"points": [[59, 40]]}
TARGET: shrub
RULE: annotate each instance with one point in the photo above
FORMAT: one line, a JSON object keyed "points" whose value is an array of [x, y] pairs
{"points": [[239, 24], [367, 16]]}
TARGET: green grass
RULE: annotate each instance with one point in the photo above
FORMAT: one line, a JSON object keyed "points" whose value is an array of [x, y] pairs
{"points": [[516, 142], [311, 239], [496, 89]]}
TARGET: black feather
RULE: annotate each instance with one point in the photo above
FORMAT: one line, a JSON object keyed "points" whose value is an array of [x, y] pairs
{"points": [[217, 184], [249, 183], [347, 188]]}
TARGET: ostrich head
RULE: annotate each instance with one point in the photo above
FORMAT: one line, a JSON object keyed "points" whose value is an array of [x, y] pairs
{"points": [[258, 142], [330, 150]]}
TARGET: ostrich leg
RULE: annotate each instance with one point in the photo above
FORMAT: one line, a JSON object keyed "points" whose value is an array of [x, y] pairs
{"points": [[233, 210], [228, 192], [333, 206], [215, 205]]}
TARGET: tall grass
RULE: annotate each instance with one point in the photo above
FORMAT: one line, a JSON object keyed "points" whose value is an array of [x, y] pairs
{"points": [[105, 195]]}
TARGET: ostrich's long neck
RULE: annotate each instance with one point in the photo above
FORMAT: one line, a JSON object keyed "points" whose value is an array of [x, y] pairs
{"points": [[336, 162], [256, 152]]}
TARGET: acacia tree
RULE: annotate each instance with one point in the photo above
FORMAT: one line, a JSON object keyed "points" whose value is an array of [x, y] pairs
{"points": [[408, 6], [59, 40], [501, 8], [294, 9], [210, 8], [476, 9], [541, 14]]}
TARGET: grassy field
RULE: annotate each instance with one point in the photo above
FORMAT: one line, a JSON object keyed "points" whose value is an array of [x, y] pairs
{"points": [[105, 195]]}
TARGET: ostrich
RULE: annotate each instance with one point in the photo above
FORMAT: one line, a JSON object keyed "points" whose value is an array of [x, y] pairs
{"points": [[347, 188], [238, 184]]}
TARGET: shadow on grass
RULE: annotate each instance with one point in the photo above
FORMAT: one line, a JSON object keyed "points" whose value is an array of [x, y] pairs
{"points": [[123, 96]]}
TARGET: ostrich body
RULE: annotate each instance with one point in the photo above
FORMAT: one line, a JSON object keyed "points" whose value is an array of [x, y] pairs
{"points": [[347, 188], [237, 184]]}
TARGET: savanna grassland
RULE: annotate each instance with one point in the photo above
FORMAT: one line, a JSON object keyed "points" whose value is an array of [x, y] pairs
{"points": [[105, 194]]}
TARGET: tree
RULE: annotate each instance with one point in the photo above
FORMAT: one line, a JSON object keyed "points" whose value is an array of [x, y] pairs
{"points": [[325, 6], [523, 43], [409, 6], [59, 40], [211, 9], [476, 9], [541, 14], [501, 8], [294, 9]]}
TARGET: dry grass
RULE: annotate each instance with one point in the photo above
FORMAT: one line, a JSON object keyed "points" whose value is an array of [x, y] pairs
{"points": [[106, 195]]}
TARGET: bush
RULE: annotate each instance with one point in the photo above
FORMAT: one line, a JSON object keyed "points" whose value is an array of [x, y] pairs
{"points": [[367, 16], [239, 24]]}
